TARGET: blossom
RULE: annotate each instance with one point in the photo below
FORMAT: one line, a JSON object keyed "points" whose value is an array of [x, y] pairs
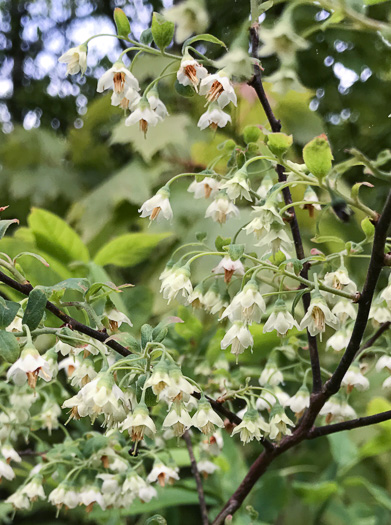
{"points": [[117, 318], [206, 467], [276, 238], [280, 319], [75, 59], [161, 473], [144, 115], [380, 313], [90, 494], [118, 78], [136, 485], [336, 408], [247, 306], [384, 362], [339, 340], [49, 416], [189, 17], [317, 316], [29, 366], [271, 375], [159, 379], [196, 297], [386, 293], [178, 281], [300, 401], [279, 422], [238, 337], [311, 201], [229, 267], [355, 379], [267, 400], [6, 471], [190, 72], [213, 117], [179, 387], [221, 209], [238, 186], [18, 500], [158, 206], [64, 348], [218, 87], [34, 489], [64, 495], [129, 98], [205, 419], [178, 419], [253, 426], [156, 104], [10, 454], [339, 280], [83, 373], [265, 216], [139, 423], [387, 383], [206, 188], [344, 309], [69, 364]]}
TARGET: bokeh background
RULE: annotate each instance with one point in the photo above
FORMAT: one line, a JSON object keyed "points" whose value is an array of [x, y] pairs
{"points": [[64, 149]]}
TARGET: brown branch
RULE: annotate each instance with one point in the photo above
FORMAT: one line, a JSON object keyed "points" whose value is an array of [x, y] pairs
{"points": [[275, 124], [72, 323], [349, 425], [197, 477], [379, 332]]}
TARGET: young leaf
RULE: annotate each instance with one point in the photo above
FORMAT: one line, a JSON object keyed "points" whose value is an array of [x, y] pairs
{"points": [[9, 347], [162, 31], [146, 37], [122, 22], [35, 308], [5, 224], [203, 38]]}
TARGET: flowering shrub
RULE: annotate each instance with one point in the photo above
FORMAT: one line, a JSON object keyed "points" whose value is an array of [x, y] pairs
{"points": [[123, 399]]}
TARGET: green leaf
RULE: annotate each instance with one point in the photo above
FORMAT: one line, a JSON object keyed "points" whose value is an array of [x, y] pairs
{"points": [[327, 238], [5, 224], [343, 450], [146, 37], [9, 347], [162, 31], [8, 311], [74, 283], [203, 38], [35, 308], [220, 242], [54, 236], [315, 493], [184, 91], [156, 519], [129, 249]]}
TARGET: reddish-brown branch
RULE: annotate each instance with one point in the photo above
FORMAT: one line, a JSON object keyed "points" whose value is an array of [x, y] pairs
{"points": [[349, 425], [197, 477]]}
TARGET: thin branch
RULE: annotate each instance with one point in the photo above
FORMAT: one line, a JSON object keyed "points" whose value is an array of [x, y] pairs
{"points": [[275, 124], [349, 425], [197, 477], [379, 332], [72, 323], [375, 265]]}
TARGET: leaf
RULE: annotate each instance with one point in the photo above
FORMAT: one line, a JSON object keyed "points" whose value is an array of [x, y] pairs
{"points": [[74, 283], [203, 38], [9, 347], [146, 36], [156, 519], [5, 224], [343, 450], [162, 30], [35, 308], [315, 493], [129, 249], [327, 238], [56, 237], [8, 311]]}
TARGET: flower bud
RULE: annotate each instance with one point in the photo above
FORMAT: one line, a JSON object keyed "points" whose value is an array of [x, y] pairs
{"points": [[279, 143], [318, 157], [122, 22]]}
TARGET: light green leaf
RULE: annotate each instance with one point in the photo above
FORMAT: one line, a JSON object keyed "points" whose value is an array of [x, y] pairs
{"points": [[54, 236], [315, 493], [203, 38], [5, 224], [343, 450], [327, 238], [129, 249], [9, 347]]}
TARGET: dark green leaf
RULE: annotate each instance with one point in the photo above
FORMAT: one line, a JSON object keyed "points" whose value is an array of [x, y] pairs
{"points": [[9, 347], [203, 38], [35, 308], [8, 311], [5, 224]]}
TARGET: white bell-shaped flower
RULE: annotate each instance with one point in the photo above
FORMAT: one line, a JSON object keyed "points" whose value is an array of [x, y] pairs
{"points": [[318, 316], [118, 78], [177, 283], [339, 340], [279, 423], [204, 189], [75, 59], [238, 186], [253, 426], [221, 209], [163, 474], [139, 423], [29, 367], [238, 337], [247, 306], [218, 87], [265, 215], [158, 207], [280, 320], [229, 267], [178, 419], [355, 379], [190, 72], [144, 115], [206, 419], [300, 401], [214, 117]]}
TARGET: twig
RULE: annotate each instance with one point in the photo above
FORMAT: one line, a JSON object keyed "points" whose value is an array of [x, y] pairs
{"points": [[275, 124], [197, 477], [379, 332], [349, 425], [72, 323]]}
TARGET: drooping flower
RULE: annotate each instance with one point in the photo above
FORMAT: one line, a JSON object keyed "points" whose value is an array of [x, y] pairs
{"points": [[206, 419], [238, 337], [229, 267], [247, 306], [271, 375], [163, 474], [238, 186], [279, 422], [127, 99], [355, 379], [253, 426], [83, 373], [300, 401], [178, 281], [158, 207], [190, 72], [380, 313], [339, 340], [213, 301], [318, 316], [29, 367], [218, 87], [75, 59], [178, 419], [179, 387], [144, 115], [119, 79], [311, 201], [280, 320], [267, 400], [90, 494], [384, 362], [159, 379], [339, 280], [276, 238], [265, 216], [213, 117], [221, 209], [34, 489], [139, 423], [204, 189], [10, 454], [189, 17], [6, 471], [117, 318], [157, 105], [344, 309], [49, 416], [64, 495], [206, 467], [196, 297]]}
